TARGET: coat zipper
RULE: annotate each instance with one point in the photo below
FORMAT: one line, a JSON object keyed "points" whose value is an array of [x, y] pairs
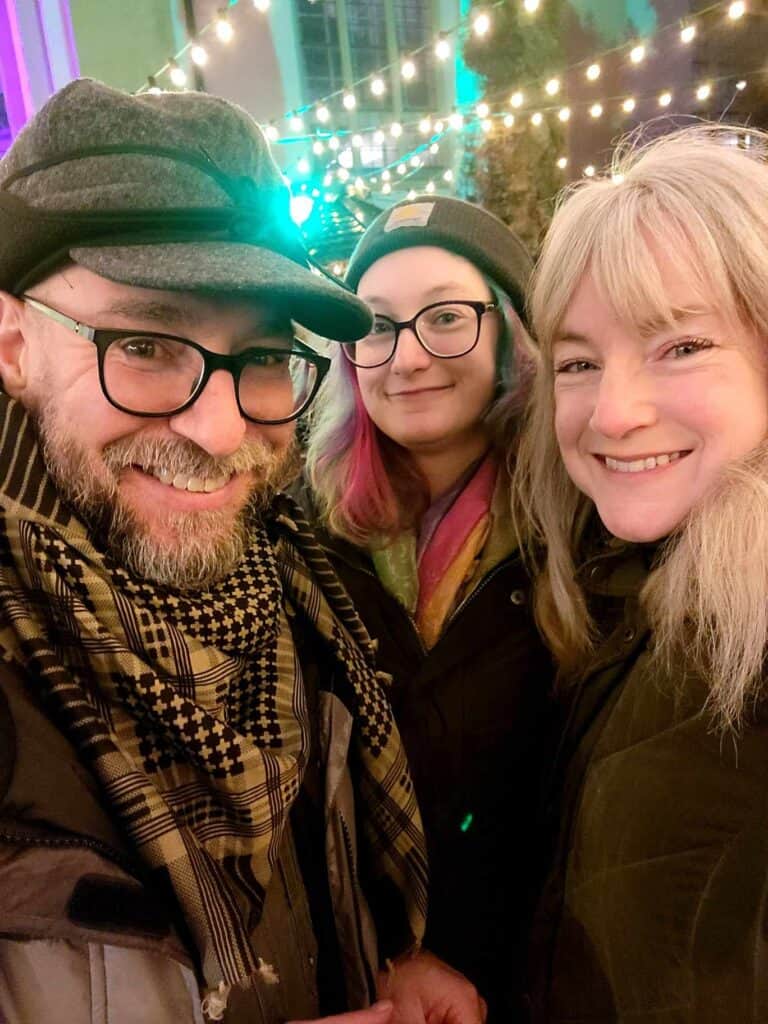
{"points": [[95, 845]]}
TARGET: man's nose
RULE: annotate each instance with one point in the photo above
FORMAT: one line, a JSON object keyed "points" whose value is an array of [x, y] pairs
{"points": [[214, 421]]}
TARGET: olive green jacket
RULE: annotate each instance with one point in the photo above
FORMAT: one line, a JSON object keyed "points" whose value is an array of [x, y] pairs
{"points": [[657, 910]]}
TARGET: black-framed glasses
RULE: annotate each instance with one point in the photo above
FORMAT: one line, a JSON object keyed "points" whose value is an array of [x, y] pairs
{"points": [[446, 329], [152, 375]]}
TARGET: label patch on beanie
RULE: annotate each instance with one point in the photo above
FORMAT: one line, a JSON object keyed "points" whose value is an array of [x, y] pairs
{"points": [[413, 215]]}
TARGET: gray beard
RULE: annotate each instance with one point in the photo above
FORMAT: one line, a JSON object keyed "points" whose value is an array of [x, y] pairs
{"points": [[197, 549]]}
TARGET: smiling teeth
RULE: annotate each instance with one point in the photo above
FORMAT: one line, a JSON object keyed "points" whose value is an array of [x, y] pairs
{"points": [[641, 464], [185, 482]]}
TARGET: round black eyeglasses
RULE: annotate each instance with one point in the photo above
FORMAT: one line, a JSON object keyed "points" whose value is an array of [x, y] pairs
{"points": [[445, 329], [148, 374]]}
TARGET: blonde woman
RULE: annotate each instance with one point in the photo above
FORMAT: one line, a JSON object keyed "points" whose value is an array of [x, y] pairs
{"points": [[408, 464], [646, 468]]}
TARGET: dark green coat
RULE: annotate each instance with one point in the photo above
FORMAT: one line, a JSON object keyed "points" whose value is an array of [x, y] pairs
{"points": [[656, 912]]}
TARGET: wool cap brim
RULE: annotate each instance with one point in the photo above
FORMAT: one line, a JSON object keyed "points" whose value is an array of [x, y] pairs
{"points": [[237, 269]]}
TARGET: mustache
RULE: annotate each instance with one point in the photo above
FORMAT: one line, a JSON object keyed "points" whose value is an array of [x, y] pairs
{"points": [[184, 456]]}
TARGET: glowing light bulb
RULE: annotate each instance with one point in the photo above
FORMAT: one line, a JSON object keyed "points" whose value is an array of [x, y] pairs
{"points": [[564, 114], [637, 54], [704, 91], [434, 148], [295, 123], [593, 72], [429, 187], [628, 105], [509, 120], [262, 5], [415, 161], [537, 118], [448, 176], [562, 163], [442, 48], [386, 188], [425, 126], [411, 195], [737, 10], [439, 127], [347, 158], [318, 148], [408, 70], [199, 55], [395, 129], [342, 174], [741, 85], [482, 110], [378, 137], [552, 88], [303, 165], [272, 133], [665, 99], [481, 24], [617, 178], [401, 169], [688, 34], [516, 99], [333, 143], [378, 88], [456, 121], [596, 110], [177, 74], [323, 114], [349, 101], [589, 171], [531, 6], [223, 27], [357, 141], [385, 175]]}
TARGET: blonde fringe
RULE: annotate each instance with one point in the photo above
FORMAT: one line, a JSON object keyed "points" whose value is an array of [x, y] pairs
{"points": [[708, 601]]}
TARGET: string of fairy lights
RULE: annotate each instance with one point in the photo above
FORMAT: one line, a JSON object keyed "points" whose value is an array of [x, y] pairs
{"points": [[530, 104]]}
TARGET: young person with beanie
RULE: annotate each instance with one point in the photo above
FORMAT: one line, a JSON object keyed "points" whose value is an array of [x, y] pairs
{"points": [[203, 792], [409, 462]]}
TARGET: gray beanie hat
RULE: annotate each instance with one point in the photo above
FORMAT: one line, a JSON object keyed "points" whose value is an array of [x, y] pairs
{"points": [[175, 191], [452, 224]]}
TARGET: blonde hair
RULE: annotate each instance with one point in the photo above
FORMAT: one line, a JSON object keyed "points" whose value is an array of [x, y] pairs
{"points": [[700, 195]]}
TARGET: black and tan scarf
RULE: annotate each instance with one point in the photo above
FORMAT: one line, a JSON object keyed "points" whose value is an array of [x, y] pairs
{"points": [[190, 709]]}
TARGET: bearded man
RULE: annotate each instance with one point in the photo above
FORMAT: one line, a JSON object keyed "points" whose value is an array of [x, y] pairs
{"points": [[184, 686]]}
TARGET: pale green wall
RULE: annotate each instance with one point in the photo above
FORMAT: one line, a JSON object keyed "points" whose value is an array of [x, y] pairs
{"points": [[121, 43]]}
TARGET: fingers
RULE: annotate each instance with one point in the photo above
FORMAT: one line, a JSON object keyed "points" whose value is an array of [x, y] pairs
{"points": [[379, 1013]]}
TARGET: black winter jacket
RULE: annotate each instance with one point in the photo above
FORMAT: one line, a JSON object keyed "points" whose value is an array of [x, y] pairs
{"points": [[476, 718]]}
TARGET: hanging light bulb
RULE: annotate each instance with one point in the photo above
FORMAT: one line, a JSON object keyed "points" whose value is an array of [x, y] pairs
{"points": [[408, 70], [323, 114], [434, 148], [552, 88], [737, 10], [177, 74], [688, 34], [481, 24], [379, 137], [411, 195], [596, 110], [347, 158], [318, 148], [386, 188], [261, 5], [378, 87], [593, 72], [385, 175], [401, 169], [562, 163], [665, 99], [415, 161], [333, 143], [439, 127], [357, 141], [456, 121], [564, 114], [442, 47], [509, 120], [741, 85], [704, 92], [589, 171], [199, 55], [342, 174], [487, 125], [425, 126], [628, 105], [349, 101], [531, 6], [448, 176], [429, 187], [303, 165], [482, 110], [395, 129], [272, 133], [536, 119], [637, 54], [223, 27], [516, 99], [295, 123]]}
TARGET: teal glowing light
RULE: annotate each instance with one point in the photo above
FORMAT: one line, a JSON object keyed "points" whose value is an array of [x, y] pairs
{"points": [[301, 208], [467, 822]]}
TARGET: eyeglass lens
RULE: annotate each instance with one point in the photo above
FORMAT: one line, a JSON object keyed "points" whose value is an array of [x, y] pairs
{"points": [[159, 375], [448, 330]]}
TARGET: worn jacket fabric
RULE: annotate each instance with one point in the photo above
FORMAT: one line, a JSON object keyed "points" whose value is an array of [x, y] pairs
{"points": [[476, 720], [655, 912], [88, 936]]}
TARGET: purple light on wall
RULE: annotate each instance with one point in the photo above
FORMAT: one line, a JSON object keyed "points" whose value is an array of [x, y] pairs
{"points": [[37, 56]]}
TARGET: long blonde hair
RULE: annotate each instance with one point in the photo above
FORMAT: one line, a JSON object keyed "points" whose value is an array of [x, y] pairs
{"points": [[701, 196]]}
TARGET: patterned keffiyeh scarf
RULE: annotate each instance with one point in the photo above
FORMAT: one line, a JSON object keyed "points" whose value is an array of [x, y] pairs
{"points": [[190, 709]]}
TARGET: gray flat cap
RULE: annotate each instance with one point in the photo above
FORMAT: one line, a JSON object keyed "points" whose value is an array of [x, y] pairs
{"points": [[175, 191]]}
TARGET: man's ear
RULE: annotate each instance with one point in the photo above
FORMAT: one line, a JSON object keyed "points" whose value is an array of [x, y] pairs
{"points": [[13, 355]]}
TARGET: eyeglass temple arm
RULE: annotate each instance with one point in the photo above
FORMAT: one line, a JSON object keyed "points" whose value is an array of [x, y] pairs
{"points": [[60, 318]]}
